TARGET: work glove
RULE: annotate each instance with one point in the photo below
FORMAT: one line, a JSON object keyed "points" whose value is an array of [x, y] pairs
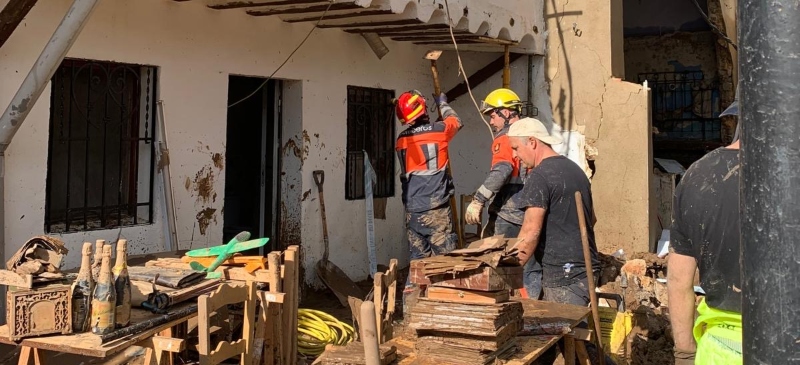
{"points": [[439, 99], [473, 213], [683, 357]]}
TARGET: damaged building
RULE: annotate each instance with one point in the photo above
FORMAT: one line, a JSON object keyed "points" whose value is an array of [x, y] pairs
{"points": [[252, 97]]}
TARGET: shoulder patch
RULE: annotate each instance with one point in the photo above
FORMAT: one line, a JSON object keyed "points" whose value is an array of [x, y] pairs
{"points": [[496, 148]]}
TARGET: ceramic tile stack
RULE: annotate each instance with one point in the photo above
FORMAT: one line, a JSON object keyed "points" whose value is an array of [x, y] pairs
{"points": [[465, 316]]}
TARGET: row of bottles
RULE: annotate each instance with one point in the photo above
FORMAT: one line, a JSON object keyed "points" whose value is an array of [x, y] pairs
{"points": [[101, 295]]}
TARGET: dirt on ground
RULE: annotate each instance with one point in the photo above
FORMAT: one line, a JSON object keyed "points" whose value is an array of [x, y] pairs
{"points": [[639, 280]]}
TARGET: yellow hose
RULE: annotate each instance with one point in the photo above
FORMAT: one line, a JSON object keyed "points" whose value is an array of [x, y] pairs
{"points": [[316, 329]]}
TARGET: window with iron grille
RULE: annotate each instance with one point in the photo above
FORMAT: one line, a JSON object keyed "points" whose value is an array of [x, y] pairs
{"points": [[686, 107], [370, 128], [101, 150]]}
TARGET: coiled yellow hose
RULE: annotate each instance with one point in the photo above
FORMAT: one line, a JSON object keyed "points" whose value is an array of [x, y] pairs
{"points": [[316, 329]]}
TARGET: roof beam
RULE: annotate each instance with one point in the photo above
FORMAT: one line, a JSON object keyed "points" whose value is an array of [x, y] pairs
{"points": [[481, 75], [221, 5], [336, 16], [12, 15], [374, 24], [306, 9]]}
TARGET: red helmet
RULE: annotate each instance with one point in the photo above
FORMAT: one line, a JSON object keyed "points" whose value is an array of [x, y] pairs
{"points": [[410, 106]]}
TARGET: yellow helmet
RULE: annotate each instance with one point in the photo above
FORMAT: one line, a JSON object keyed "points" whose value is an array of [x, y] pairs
{"points": [[501, 98]]}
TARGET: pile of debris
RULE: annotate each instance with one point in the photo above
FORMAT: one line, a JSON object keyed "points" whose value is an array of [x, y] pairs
{"points": [[466, 316], [38, 261], [641, 283]]}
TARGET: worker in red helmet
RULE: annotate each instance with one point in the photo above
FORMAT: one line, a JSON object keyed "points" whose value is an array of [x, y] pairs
{"points": [[427, 185]]}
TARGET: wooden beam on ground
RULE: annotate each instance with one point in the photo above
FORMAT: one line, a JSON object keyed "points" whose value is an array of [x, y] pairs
{"points": [[481, 75], [11, 15]]}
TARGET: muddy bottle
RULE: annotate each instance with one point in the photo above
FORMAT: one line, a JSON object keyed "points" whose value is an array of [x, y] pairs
{"points": [[122, 285], [82, 291], [105, 297], [98, 258]]}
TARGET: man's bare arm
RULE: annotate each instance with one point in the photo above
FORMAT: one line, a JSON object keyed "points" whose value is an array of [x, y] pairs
{"points": [[680, 291], [529, 233]]}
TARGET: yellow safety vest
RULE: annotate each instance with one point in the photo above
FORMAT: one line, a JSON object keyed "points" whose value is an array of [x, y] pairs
{"points": [[719, 336]]}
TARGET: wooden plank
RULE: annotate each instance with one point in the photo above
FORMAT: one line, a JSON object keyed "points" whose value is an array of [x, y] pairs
{"points": [[467, 296], [291, 288], [480, 76], [168, 344], [583, 355], [569, 349], [306, 9], [483, 278]]}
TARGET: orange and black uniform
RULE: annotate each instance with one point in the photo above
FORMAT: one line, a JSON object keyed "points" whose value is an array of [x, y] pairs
{"points": [[427, 185], [422, 150], [504, 182]]}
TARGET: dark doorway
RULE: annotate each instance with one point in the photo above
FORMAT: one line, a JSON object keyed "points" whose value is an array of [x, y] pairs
{"points": [[253, 135]]}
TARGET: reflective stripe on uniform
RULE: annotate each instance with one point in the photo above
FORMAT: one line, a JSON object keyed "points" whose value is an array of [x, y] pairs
{"points": [[719, 336]]}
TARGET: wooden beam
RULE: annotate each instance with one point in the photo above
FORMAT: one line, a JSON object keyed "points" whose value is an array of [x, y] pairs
{"points": [[306, 9], [373, 24], [481, 75], [388, 29], [339, 16], [254, 3], [12, 15]]}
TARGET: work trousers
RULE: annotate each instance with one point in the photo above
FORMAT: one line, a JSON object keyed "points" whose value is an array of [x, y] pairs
{"points": [[532, 274], [430, 233]]}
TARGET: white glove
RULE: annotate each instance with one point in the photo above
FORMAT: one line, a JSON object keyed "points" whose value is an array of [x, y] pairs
{"points": [[473, 213]]}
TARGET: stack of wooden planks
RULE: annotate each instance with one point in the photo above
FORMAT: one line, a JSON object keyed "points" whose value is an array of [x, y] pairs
{"points": [[466, 316]]}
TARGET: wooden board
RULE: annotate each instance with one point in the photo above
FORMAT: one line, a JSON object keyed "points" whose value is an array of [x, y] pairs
{"points": [[467, 296], [531, 347], [87, 344], [171, 278], [484, 279], [228, 272]]}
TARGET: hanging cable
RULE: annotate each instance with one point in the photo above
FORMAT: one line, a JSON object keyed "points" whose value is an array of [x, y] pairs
{"points": [[287, 58], [461, 69], [714, 27]]}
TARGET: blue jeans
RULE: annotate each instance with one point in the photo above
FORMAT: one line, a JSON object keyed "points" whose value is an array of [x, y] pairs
{"points": [[532, 274]]}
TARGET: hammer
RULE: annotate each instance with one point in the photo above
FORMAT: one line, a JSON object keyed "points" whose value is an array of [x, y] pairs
{"points": [[433, 56], [437, 89]]}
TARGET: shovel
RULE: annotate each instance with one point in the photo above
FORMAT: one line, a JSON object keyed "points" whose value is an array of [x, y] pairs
{"points": [[330, 274]]}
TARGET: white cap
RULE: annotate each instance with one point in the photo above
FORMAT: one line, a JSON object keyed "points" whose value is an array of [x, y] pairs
{"points": [[531, 127]]}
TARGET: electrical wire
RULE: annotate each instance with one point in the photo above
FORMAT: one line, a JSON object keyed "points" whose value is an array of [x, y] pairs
{"points": [[330, 3], [317, 329], [461, 69], [714, 27]]}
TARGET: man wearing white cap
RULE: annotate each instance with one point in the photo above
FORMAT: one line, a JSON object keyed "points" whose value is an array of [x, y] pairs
{"points": [[550, 230]]}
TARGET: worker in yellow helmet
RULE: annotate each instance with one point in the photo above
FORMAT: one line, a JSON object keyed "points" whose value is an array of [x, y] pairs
{"points": [[504, 181]]}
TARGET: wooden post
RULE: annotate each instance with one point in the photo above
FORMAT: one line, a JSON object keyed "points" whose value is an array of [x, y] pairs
{"points": [[507, 68]]}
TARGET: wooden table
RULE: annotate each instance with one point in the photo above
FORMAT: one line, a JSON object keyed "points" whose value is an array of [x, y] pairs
{"points": [[531, 347], [87, 344]]}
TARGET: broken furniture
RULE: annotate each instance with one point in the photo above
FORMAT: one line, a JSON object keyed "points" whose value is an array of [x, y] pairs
{"points": [[275, 327], [546, 323], [208, 305]]}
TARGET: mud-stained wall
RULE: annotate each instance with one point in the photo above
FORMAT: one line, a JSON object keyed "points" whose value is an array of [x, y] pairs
{"points": [[584, 60]]}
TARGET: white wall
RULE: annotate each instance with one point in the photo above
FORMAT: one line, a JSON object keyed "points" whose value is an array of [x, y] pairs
{"points": [[196, 48]]}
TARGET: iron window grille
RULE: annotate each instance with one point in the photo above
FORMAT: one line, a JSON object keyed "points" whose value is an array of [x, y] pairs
{"points": [[370, 128], [101, 155], [686, 107]]}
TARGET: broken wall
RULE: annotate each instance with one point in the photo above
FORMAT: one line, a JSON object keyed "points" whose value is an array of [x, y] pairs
{"points": [[584, 63], [195, 50]]}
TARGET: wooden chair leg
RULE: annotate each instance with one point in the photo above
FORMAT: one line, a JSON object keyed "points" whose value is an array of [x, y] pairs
{"points": [[583, 355], [569, 350]]}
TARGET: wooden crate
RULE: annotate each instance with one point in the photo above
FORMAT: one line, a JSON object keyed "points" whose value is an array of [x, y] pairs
{"points": [[43, 311], [482, 279]]}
